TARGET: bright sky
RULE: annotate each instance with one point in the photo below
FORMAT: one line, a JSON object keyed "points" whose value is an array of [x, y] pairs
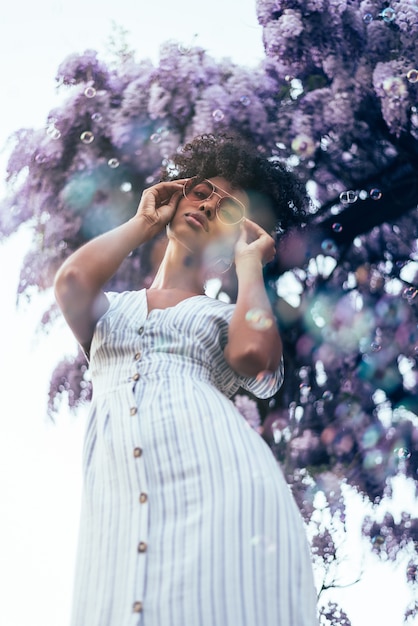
{"points": [[40, 462]]}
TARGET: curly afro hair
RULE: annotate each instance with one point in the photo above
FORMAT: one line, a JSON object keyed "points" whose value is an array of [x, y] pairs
{"points": [[273, 190]]}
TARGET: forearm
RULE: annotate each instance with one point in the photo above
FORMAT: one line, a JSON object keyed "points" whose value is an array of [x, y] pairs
{"points": [[254, 343]]}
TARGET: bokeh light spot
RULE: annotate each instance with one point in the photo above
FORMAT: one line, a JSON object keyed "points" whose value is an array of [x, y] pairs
{"points": [[126, 187]]}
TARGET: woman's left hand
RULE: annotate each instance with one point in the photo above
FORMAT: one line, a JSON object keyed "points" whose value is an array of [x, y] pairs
{"points": [[254, 242]]}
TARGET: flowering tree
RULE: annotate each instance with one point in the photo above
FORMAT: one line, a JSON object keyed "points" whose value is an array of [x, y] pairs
{"points": [[335, 99], [350, 125]]}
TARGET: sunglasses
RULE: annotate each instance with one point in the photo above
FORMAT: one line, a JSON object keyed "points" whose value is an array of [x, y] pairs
{"points": [[229, 210]]}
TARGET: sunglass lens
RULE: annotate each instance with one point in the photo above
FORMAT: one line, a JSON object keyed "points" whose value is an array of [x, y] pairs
{"points": [[230, 211], [198, 191]]}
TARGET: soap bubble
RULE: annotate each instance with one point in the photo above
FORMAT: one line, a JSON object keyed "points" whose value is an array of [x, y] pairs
{"points": [[409, 293], [388, 15], [337, 228], [375, 194], [412, 76], [53, 132], [402, 453], [90, 92], [156, 138], [367, 18], [329, 246], [305, 389], [327, 396], [348, 197], [87, 137], [96, 117], [362, 194], [218, 115], [258, 319], [246, 101], [303, 145], [113, 163]]}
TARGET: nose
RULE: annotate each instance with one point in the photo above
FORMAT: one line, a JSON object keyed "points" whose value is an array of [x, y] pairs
{"points": [[209, 208]]}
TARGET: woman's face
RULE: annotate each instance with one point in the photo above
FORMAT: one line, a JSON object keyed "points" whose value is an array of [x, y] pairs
{"points": [[196, 222]]}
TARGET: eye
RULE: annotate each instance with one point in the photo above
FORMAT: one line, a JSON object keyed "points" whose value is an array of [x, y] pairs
{"points": [[200, 195], [230, 211], [198, 192]]}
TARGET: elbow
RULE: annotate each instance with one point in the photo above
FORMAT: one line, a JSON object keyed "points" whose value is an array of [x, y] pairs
{"points": [[68, 283], [253, 360]]}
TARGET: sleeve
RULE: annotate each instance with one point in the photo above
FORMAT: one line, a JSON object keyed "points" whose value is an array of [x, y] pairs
{"points": [[103, 323], [112, 296], [265, 384]]}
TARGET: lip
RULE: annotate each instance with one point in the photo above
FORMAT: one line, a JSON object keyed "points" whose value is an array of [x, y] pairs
{"points": [[200, 218]]}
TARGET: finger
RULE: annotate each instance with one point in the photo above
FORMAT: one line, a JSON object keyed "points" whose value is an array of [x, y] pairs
{"points": [[173, 200], [253, 227], [164, 195], [163, 191], [243, 234]]}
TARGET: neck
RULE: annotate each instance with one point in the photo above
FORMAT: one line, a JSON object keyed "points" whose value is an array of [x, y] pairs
{"points": [[180, 269]]}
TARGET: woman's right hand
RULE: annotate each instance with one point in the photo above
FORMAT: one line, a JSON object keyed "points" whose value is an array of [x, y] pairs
{"points": [[159, 202]]}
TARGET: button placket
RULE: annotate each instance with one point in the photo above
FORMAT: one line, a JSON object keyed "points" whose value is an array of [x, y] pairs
{"points": [[137, 459], [141, 546]]}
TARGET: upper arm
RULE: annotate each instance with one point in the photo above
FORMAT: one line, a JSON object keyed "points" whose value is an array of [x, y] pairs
{"points": [[80, 307]]}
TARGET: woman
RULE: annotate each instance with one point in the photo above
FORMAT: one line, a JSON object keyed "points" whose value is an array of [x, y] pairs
{"points": [[186, 517]]}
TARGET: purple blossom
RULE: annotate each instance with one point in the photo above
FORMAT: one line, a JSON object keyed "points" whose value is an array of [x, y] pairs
{"points": [[249, 410], [83, 68], [406, 17]]}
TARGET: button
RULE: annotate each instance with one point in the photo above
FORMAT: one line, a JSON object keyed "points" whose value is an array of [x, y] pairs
{"points": [[137, 356], [143, 498], [133, 410], [142, 546], [137, 607], [140, 330], [135, 376], [137, 452]]}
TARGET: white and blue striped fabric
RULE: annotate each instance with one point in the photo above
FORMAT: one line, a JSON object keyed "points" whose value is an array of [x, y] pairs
{"points": [[186, 517]]}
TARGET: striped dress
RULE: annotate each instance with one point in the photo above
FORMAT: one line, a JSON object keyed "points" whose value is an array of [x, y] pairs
{"points": [[186, 518]]}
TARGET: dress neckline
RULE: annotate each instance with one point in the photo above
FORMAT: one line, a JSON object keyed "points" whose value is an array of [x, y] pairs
{"points": [[149, 311]]}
